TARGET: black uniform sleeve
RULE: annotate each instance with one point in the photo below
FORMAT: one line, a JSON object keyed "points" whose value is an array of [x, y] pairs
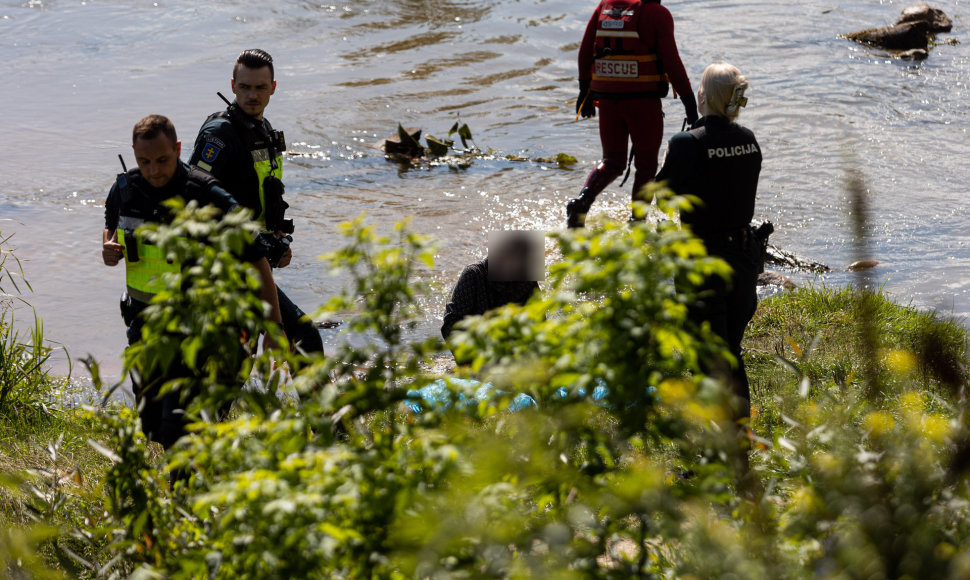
{"points": [[217, 195], [112, 207], [679, 164], [469, 298], [761, 151], [253, 252], [760, 159], [214, 148]]}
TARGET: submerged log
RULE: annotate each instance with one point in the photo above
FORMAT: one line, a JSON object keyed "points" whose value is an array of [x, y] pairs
{"points": [[906, 36], [778, 257]]}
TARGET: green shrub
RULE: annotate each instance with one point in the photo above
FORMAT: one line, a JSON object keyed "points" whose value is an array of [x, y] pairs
{"points": [[334, 485], [862, 460]]}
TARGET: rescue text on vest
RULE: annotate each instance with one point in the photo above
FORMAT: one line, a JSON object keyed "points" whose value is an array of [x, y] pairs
{"points": [[619, 69]]}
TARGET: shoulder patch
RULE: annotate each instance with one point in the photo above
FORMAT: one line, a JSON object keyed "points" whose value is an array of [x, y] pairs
{"points": [[209, 136], [210, 152]]}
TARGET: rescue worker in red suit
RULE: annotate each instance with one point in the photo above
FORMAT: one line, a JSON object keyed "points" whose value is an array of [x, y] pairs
{"points": [[627, 61]]}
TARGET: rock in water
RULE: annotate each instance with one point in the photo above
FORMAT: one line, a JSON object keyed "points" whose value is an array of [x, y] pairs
{"points": [[911, 33], [906, 36], [863, 265], [776, 279], [914, 54], [937, 20]]}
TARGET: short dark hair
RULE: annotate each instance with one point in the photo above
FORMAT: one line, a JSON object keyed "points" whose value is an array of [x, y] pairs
{"points": [[254, 58], [152, 126]]}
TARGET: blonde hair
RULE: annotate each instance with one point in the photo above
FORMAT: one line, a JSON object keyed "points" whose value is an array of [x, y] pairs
{"points": [[723, 88]]}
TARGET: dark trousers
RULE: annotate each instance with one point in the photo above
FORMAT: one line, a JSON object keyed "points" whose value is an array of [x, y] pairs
{"points": [[640, 121], [728, 306], [299, 328], [162, 416]]}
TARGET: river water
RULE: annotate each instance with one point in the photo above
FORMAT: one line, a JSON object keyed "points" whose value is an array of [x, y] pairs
{"points": [[77, 74]]}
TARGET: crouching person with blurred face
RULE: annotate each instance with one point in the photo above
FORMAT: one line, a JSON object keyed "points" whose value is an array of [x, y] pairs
{"points": [[509, 275], [137, 198]]}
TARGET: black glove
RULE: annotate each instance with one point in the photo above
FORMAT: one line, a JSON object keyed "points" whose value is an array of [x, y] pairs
{"points": [[273, 187], [273, 247], [275, 206], [584, 102], [690, 107]]}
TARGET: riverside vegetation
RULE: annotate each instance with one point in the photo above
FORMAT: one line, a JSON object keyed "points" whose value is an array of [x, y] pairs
{"points": [[861, 439]]}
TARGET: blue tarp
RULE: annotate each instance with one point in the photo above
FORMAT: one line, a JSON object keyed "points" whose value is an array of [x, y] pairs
{"points": [[440, 395]]}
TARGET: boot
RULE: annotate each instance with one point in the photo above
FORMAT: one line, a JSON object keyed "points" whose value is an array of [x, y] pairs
{"points": [[577, 209]]}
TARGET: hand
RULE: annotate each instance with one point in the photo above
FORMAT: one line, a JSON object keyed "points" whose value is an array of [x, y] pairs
{"points": [[269, 344], [690, 108], [285, 258], [692, 118], [287, 255], [111, 250], [584, 102]]}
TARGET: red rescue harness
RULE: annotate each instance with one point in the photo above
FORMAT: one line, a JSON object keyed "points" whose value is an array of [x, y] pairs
{"points": [[624, 64]]}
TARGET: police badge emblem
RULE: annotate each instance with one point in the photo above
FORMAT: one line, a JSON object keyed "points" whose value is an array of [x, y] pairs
{"points": [[210, 152]]}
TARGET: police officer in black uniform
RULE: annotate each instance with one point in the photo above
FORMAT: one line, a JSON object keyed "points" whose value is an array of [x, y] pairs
{"points": [[135, 199], [240, 148], [719, 162]]}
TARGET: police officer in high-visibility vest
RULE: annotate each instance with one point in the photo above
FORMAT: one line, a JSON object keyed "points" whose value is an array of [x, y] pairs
{"points": [[719, 162], [627, 61], [135, 199], [241, 149]]}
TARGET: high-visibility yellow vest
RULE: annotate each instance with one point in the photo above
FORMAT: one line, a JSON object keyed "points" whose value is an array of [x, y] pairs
{"points": [[265, 166], [143, 275]]}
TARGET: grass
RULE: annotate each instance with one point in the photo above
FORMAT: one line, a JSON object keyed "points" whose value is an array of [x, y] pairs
{"points": [[25, 447], [813, 333], [48, 472], [51, 475]]}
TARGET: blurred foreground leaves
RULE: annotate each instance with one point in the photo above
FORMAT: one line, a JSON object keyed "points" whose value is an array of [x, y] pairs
{"points": [[344, 482]]}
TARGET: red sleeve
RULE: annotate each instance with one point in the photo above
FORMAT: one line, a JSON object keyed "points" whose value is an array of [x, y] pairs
{"points": [[661, 24], [587, 48]]}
